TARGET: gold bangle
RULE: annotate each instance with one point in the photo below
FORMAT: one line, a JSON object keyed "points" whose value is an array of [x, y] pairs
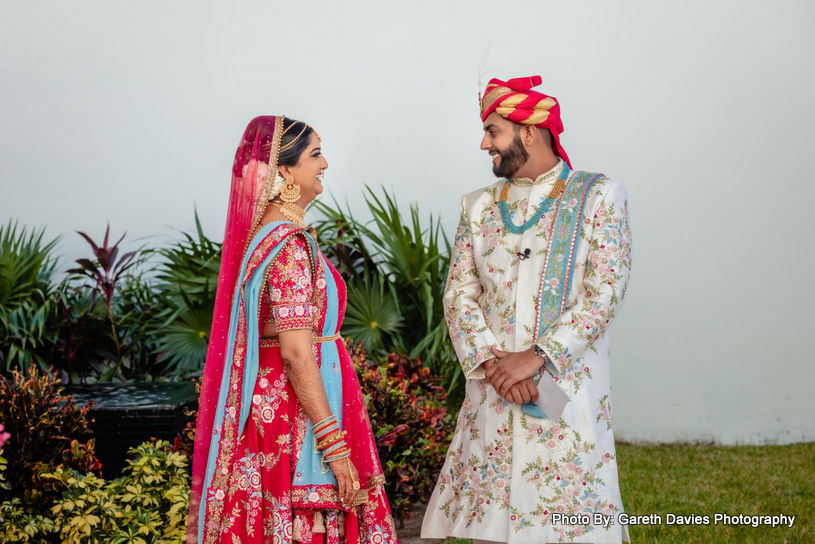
{"points": [[331, 439]]}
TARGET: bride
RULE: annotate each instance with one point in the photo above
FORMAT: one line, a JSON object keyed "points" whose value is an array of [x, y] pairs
{"points": [[284, 449]]}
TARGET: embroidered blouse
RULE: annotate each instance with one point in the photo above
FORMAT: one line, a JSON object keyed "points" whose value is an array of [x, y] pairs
{"points": [[287, 298]]}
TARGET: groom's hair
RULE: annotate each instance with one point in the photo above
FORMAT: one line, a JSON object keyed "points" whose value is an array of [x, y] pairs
{"points": [[544, 132]]}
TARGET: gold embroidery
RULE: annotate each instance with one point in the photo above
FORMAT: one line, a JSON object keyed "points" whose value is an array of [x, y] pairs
{"points": [[263, 201], [492, 96], [376, 480], [325, 495], [543, 178]]}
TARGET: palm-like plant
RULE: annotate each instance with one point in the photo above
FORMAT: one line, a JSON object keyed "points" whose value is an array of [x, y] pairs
{"points": [[396, 273], [186, 282], [27, 297], [412, 260], [372, 313]]}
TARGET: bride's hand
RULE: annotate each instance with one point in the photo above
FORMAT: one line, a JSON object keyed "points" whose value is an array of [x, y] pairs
{"points": [[345, 480]]}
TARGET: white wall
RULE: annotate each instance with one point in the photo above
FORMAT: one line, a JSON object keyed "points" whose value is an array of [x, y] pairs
{"points": [[131, 111]]}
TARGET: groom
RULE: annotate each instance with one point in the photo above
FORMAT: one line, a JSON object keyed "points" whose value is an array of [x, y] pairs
{"points": [[538, 272]]}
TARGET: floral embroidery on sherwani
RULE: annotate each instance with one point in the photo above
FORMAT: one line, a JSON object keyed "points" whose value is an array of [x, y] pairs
{"points": [[565, 466]]}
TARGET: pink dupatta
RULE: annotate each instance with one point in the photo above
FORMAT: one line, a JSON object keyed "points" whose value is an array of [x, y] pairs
{"points": [[251, 177]]}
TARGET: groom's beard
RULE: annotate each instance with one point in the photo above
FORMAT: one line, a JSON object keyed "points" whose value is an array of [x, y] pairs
{"points": [[512, 159]]}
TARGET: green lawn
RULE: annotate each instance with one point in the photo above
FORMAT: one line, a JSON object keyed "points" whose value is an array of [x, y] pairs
{"points": [[705, 480]]}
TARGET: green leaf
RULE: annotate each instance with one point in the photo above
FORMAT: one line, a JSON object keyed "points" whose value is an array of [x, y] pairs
{"points": [[371, 312]]}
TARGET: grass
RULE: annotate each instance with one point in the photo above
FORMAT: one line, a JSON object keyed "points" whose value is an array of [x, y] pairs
{"points": [[705, 480]]}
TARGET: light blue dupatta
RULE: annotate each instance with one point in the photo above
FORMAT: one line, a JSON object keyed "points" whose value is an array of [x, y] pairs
{"points": [[247, 291]]}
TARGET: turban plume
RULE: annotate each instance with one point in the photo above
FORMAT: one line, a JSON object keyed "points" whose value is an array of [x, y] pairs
{"points": [[515, 101]]}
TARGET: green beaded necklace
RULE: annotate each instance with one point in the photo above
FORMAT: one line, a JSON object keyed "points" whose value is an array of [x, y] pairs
{"points": [[545, 205]]}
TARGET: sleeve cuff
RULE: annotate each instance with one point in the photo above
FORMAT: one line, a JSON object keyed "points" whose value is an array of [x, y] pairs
{"points": [[293, 316], [549, 364]]}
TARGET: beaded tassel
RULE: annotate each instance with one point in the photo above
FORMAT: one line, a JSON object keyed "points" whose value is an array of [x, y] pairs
{"points": [[318, 526]]}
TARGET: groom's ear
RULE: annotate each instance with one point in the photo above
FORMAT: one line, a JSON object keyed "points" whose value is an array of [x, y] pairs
{"points": [[528, 135]]}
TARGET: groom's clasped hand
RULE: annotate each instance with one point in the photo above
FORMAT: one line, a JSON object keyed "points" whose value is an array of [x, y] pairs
{"points": [[510, 374]]}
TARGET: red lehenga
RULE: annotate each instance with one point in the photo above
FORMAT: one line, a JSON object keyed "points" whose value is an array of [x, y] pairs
{"points": [[257, 476]]}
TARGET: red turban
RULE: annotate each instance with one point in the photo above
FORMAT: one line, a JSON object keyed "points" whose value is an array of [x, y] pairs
{"points": [[515, 101]]}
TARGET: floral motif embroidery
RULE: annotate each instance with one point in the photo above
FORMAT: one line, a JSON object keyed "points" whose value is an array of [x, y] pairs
{"points": [[466, 419], [477, 482], [249, 483], [290, 286], [465, 321], [216, 521], [315, 497], [546, 433], [250, 493], [572, 371], [566, 485], [267, 399], [278, 521], [606, 275], [605, 412], [376, 530]]}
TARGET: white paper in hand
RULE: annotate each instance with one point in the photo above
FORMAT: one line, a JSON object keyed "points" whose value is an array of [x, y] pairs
{"points": [[551, 398]]}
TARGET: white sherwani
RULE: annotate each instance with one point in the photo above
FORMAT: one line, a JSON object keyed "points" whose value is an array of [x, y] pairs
{"points": [[506, 472]]}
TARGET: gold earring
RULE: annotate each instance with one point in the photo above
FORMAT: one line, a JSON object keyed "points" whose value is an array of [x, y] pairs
{"points": [[291, 192]]}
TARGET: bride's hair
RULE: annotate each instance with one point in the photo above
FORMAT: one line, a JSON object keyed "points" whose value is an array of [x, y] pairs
{"points": [[291, 154]]}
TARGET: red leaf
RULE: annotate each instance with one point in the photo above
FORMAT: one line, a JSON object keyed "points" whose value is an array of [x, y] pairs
{"points": [[120, 240], [114, 251], [104, 258], [91, 242]]}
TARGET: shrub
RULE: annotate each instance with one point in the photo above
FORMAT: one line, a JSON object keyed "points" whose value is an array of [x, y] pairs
{"points": [[105, 273], [84, 342], [27, 298], [136, 309], [411, 425], [46, 429], [157, 324], [19, 524], [148, 505], [186, 282], [127, 324], [396, 272]]}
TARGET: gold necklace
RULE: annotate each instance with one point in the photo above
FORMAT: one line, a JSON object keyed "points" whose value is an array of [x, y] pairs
{"points": [[293, 212]]}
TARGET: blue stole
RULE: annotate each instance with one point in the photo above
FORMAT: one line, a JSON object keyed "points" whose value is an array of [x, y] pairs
{"points": [[564, 241]]}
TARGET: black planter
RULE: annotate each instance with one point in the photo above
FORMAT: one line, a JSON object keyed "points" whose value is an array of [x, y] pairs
{"points": [[126, 415]]}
